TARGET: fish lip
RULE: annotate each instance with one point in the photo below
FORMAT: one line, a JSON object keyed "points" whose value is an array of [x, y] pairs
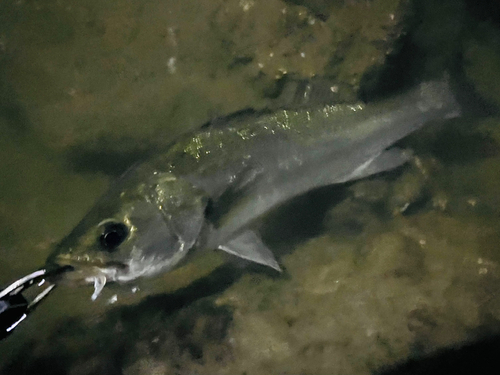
{"points": [[76, 263], [55, 271]]}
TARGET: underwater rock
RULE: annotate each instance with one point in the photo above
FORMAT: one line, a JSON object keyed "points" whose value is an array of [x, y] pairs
{"points": [[343, 306], [342, 312], [407, 190], [371, 191], [350, 218], [348, 304], [122, 79], [482, 53]]}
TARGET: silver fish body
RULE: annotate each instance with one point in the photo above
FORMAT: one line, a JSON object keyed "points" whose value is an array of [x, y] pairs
{"points": [[208, 188]]}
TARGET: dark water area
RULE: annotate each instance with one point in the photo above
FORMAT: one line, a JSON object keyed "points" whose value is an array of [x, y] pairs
{"points": [[394, 274]]}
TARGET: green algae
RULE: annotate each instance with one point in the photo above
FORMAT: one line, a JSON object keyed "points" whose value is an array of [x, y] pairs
{"points": [[405, 264], [483, 58], [130, 77], [341, 314]]}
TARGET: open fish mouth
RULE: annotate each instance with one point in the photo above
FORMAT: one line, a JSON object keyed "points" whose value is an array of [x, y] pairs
{"points": [[98, 276], [96, 273]]}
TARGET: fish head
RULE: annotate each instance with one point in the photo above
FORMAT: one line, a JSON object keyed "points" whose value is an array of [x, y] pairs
{"points": [[138, 228]]}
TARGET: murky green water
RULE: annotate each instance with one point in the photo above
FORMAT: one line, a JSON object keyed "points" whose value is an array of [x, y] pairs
{"points": [[376, 272]]}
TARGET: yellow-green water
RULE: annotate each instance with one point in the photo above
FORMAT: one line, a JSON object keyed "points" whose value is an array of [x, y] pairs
{"points": [[377, 271]]}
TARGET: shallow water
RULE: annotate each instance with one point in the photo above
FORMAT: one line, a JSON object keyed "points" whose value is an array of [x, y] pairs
{"points": [[398, 266]]}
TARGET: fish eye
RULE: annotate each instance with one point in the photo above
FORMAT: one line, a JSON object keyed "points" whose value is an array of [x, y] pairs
{"points": [[113, 235]]}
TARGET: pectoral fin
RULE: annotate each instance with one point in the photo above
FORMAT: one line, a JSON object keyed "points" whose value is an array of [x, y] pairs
{"points": [[250, 247]]}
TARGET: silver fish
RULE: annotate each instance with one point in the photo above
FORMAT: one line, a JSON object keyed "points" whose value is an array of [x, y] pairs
{"points": [[208, 188]]}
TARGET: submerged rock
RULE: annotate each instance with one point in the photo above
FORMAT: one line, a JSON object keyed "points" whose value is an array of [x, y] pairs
{"points": [[347, 302], [371, 290], [482, 53], [346, 314], [125, 78]]}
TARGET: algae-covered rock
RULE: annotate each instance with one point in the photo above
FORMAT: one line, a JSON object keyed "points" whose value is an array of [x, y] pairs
{"points": [[407, 264], [482, 52], [345, 314], [350, 304], [128, 77], [448, 29], [372, 191], [406, 191], [351, 218]]}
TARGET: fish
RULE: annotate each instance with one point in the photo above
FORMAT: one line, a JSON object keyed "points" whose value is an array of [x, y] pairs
{"points": [[209, 187]]}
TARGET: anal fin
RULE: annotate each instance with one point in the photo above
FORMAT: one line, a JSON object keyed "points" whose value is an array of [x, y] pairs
{"points": [[387, 160], [250, 247]]}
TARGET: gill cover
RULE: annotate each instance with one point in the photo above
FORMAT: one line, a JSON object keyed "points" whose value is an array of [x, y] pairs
{"points": [[180, 211], [145, 224]]}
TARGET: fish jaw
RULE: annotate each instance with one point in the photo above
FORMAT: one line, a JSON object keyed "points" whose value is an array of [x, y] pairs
{"points": [[86, 271], [99, 273], [84, 275]]}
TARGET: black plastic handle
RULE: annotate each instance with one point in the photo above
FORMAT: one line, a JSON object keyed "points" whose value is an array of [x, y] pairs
{"points": [[13, 310]]}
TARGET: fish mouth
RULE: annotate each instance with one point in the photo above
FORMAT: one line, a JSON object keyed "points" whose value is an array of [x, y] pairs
{"points": [[83, 272], [84, 262]]}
